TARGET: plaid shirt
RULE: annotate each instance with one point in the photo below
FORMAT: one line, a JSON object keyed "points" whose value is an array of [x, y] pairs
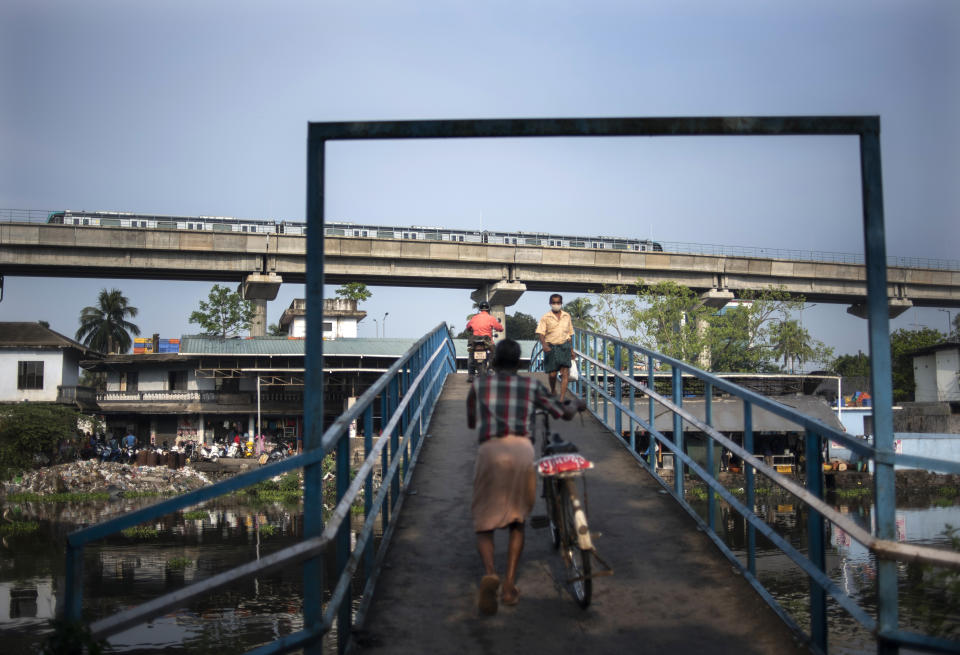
{"points": [[505, 402]]}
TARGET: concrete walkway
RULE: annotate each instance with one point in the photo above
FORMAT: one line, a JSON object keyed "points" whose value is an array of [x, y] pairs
{"points": [[671, 592]]}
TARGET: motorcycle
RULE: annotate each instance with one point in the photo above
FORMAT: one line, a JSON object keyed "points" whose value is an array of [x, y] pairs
{"points": [[208, 452], [281, 451], [482, 356], [235, 450]]}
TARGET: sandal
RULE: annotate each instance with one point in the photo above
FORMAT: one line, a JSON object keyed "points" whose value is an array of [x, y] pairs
{"points": [[487, 598], [510, 599]]}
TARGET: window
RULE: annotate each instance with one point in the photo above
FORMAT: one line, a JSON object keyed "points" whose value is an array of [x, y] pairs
{"points": [[129, 381], [327, 326], [177, 381], [29, 375]]}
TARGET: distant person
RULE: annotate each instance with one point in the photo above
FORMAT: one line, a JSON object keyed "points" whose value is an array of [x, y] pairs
{"points": [[504, 482], [555, 330], [481, 325], [130, 440]]}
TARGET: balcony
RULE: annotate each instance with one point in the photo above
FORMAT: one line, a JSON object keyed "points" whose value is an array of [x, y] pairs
{"points": [[195, 400], [84, 397]]}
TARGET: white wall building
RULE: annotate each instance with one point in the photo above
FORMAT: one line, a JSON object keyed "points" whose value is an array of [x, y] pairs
{"points": [[936, 371], [340, 318], [38, 364]]}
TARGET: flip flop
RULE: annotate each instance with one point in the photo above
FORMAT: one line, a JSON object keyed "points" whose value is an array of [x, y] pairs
{"points": [[487, 598]]}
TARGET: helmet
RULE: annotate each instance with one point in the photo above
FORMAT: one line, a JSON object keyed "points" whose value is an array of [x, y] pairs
{"points": [[484, 306]]}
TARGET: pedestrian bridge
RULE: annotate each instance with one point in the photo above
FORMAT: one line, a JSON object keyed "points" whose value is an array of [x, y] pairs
{"points": [[405, 571]]}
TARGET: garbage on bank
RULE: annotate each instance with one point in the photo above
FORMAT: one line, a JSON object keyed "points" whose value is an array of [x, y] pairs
{"points": [[91, 476]]}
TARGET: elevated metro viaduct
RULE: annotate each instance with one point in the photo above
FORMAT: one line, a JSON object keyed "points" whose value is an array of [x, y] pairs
{"points": [[497, 273]]}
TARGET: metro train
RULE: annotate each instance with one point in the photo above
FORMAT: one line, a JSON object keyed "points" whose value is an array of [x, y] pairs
{"points": [[340, 229]]}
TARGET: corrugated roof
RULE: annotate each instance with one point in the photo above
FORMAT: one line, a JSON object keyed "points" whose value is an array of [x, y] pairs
{"points": [[394, 347], [728, 414], [34, 335]]}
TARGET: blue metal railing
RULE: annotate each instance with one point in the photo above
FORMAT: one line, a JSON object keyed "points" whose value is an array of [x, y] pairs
{"points": [[404, 398], [607, 383]]}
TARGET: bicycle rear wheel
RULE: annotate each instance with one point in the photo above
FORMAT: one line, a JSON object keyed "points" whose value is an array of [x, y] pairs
{"points": [[576, 560], [550, 491]]}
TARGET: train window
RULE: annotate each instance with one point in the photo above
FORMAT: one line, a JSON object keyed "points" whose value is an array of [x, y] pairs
{"points": [[594, 245], [189, 226], [384, 234], [356, 233], [363, 233], [86, 221], [577, 244], [143, 224], [514, 242]]}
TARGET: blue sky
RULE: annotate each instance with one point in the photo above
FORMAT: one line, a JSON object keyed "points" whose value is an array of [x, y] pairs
{"points": [[202, 108]]}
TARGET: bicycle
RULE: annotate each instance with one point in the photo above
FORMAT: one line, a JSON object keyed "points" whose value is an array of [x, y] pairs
{"points": [[560, 465]]}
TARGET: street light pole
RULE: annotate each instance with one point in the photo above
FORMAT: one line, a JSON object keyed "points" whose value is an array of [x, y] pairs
{"points": [[376, 328], [949, 322], [385, 324]]}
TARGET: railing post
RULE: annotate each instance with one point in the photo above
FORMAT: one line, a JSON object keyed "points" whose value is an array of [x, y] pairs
{"points": [[708, 441], [748, 484], [815, 542], [652, 449], [73, 598], [394, 391], [884, 479], [386, 507], [368, 488], [677, 379], [618, 391], [633, 397], [313, 387], [606, 363], [345, 611]]}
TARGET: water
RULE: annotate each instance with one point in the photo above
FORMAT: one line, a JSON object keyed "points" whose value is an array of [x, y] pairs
{"points": [[122, 571], [929, 597]]}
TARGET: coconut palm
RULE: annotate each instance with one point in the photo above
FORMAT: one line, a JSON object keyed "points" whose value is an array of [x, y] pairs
{"points": [[579, 310], [105, 327]]}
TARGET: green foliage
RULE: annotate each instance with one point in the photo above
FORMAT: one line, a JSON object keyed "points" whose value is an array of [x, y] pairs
{"points": [[18, 528], [267, 530], [195, 515], [31, 429], [140, 532], [104, 326], [851, 365], [179, 563], [521, 326], [274, 330], [580, 310], [793, 343], [224, 313], [354, 291], [290, 481], [66, 497]]}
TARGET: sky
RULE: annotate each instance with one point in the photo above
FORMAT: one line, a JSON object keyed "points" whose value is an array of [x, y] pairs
{"points": [[193, 108]]}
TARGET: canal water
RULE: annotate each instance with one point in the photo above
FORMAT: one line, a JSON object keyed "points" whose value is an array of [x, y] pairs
{"points": [[929, 596], [125, 570]]}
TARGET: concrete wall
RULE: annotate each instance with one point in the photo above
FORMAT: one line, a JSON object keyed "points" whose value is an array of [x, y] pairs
{"points": [[938, 446], [52, 375]]}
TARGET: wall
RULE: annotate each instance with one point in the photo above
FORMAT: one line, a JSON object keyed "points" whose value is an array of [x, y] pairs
{"points": [[52, 375], [948, 372], [925, 377]]}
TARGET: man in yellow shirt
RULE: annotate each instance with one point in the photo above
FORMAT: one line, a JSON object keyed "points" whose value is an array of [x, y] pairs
{"points": [[555, 330]]}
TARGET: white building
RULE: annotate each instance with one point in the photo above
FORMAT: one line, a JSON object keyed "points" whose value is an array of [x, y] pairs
{"points": [[340, 318], [936, 372], [40, 365]]}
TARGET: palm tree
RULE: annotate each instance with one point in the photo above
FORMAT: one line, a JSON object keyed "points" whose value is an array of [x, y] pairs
{"points": [[579, 310], [104, 327]]}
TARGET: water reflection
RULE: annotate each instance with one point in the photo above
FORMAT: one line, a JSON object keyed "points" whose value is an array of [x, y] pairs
{"points": [[929, 596], [124, 570]]}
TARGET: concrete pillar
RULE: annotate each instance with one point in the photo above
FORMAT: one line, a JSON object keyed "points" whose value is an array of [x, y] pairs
{"points": [[715, 299], [500, 295], [252, 424], [258, 326], [260, 288], [201, 427], [153, 431]]}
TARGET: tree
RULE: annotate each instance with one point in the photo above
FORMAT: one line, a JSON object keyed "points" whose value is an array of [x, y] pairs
{"points": [[667, 317], [852, 366], [29, 429], [224, 313], [521, 326], [579, 310], [354, 291], [274, 330], [794, 345], [104, 326]]}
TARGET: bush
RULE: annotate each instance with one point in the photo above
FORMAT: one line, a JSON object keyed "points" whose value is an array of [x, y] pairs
{"points": [[30, 434]]}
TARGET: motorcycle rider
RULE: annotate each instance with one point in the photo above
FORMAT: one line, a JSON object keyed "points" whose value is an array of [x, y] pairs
{"points": [[482, 325]]}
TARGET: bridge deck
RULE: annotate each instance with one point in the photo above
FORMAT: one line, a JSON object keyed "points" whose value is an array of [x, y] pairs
{"points": [[672, 591]]}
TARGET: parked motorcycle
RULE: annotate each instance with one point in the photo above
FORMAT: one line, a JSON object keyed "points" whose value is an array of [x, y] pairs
{"points": [[281, 451]]}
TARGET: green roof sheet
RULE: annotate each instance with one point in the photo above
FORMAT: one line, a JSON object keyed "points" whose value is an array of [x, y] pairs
{"points": [[202, 345]]}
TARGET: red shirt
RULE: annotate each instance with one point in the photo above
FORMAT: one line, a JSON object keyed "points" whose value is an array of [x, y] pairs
{"points": [[483, 325]]}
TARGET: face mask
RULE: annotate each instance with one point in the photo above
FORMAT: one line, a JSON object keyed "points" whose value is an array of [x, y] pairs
{"points": [[555, 307]]}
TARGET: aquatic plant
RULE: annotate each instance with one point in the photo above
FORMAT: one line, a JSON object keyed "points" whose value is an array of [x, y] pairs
{"points": [[179, 563], [140, 532], [854, 492], [267, 530], [146, 494], [67, 497], [195, 515], [18, 527]]}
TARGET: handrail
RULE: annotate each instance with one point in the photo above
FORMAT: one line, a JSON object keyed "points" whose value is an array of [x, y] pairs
{"points": [[408, 391], [601, 380]]}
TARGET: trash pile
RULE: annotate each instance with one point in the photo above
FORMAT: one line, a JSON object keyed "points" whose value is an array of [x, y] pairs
{"points": [[90, 476]]}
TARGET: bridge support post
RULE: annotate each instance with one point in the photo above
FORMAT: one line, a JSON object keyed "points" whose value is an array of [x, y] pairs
{"points": [[715, 299], [500, 295], [260, 288], [895, 307]]}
